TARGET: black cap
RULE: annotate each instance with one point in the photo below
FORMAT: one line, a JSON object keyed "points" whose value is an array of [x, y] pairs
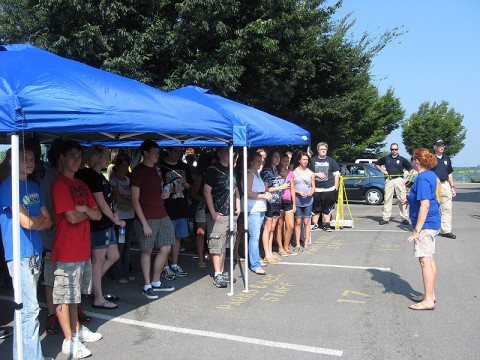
{"points": [[439, 142]]}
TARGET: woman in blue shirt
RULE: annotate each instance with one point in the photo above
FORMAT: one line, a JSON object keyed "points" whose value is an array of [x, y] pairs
{"points": [[424, 213]]}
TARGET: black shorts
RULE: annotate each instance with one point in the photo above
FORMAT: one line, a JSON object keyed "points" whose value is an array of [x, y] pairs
{"points": [[287, 205], [273, 210], [323, 202]]}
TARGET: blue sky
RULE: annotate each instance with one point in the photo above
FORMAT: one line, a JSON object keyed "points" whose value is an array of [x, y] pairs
{"points": [[437, 59]]}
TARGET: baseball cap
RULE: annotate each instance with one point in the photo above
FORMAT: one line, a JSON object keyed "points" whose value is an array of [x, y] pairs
{"points": [[439, 142]]}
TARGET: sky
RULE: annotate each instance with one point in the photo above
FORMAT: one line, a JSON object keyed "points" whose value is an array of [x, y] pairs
{"points": [[437, 59]]}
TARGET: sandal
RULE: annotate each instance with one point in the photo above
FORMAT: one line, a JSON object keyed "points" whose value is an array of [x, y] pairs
{"points": [[420, 298], [201, 264], [421, 306], [260, 272], [284, 254], [105, 305]]}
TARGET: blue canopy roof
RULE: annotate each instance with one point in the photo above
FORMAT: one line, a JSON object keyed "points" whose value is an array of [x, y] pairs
{"points": [[58, 95], [253, 127]]}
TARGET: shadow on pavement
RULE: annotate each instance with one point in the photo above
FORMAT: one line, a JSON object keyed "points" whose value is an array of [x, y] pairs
{"points": [[393, 283]]}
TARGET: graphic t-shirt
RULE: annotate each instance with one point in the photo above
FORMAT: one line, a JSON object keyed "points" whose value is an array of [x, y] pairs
{"points": [[426, 187], [31, 199], [217, 177], [177, 203], [327, 166], [273, 179]]}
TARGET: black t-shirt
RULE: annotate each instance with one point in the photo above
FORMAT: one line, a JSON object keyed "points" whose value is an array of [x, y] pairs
{"points": [[177, 203], [217, 177], [443, 167], [98, 183], [327, 166], [394, 165]]}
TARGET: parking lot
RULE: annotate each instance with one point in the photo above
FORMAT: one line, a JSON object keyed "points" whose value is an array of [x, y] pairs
{"points": [[347, 297]]}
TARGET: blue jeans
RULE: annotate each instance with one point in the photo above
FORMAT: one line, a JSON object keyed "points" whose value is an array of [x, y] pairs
{"points": [[32, 349], [121, 268], [255, 221]]}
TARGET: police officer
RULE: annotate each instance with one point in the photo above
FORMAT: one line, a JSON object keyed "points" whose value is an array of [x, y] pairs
{"points": [[394, 181], [444, 172]]}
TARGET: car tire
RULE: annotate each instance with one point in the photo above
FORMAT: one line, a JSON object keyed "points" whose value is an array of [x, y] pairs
{"points": [[374, 196]]}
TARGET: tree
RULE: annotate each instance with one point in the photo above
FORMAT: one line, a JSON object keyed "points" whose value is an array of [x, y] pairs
{"points": [[432, 122], [286, 57]]}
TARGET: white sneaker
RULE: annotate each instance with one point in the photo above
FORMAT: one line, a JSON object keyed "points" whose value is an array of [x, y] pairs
{"points": [[85, 335], [75, 348]]}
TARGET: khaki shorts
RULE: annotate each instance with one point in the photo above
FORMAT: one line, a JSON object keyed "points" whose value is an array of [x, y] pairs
{"points": [[425, 245], [68, 282], [217, 232], [163, 234]]}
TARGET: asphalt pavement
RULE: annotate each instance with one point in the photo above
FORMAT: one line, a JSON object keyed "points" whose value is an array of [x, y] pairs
{"points": [[346, 297]]}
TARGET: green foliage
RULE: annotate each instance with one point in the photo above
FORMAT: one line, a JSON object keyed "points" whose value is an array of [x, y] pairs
{"points": [[432, 122], [286, 57]]}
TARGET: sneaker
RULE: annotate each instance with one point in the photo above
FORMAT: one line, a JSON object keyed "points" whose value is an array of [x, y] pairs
{"points": [[52, 324], [168, 274], [405, 222], [315, 227], [85, 335], [219, 281], [327, 228], [226, 277], [162, 288], [178, 271], [449, 235], [149, 294], [384, 222], [83, 318], [75, 348]]}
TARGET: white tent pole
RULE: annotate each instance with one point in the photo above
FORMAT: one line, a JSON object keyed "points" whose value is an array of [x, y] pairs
{"points": [[245, 215], [231, 233], [17, 284]]}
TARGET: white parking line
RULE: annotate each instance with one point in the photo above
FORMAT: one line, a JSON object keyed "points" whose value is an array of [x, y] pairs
{"points": [[217, 335], [210, 334], [336, 266]]}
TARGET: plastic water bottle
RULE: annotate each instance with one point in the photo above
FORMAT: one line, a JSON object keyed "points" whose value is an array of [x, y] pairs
{"points": [[121, 235]]}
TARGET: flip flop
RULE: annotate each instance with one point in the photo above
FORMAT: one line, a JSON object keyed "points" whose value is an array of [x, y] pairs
{"points": [[105, 305], [111, 297], [421, 306], [260, 272]]}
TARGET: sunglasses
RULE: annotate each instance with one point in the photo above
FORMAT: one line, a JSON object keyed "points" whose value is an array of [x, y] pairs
{"points": [[394, 149]]}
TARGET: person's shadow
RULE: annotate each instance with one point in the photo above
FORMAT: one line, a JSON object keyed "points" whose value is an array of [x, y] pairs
{"points": [[393, 283]]}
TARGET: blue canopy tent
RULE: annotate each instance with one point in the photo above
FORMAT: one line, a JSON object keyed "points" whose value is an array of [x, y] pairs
{"points": [[255, 128], [51, 96], [86, 104]]}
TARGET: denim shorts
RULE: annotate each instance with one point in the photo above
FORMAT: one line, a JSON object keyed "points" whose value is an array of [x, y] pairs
{"points": [[102, 239], [180, 226], [303, 212]]}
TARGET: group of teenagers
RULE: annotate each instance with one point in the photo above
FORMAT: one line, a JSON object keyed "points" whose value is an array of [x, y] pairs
{"points": [[77, 223]]}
